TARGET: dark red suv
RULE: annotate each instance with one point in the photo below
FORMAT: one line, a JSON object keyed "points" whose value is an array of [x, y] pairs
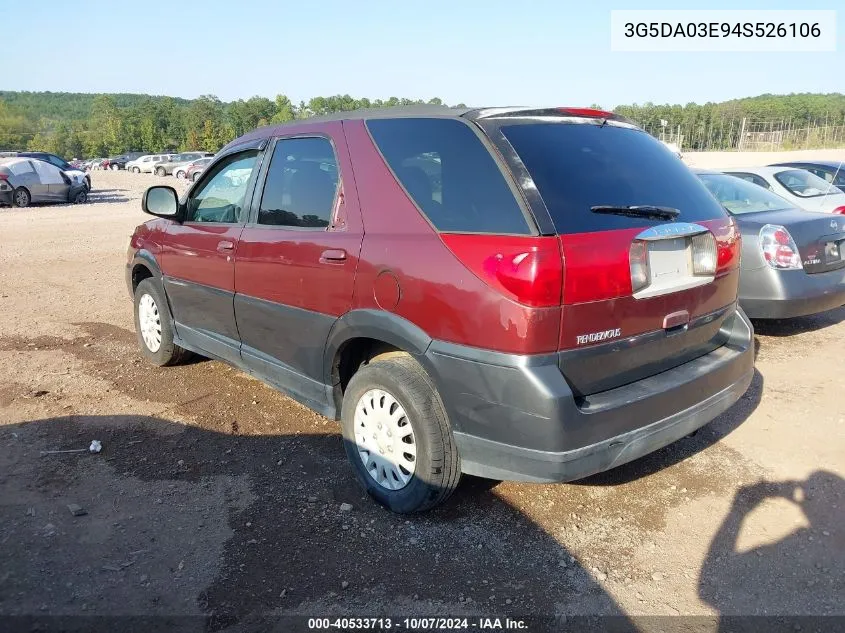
{"points": [[533, 295]]}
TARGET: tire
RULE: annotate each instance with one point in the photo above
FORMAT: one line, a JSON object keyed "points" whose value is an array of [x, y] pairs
{"points": [[80, 198], [114, 167], [180, 174], [21, 197], [196, 176], [136, 170], [167, 352], [437, 467], [160, 171]]}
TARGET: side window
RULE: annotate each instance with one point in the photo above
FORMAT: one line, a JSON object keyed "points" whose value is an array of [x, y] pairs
{"points": [[23, 168], [301, 185], [450, 175], [757, 180], [821, 174], [58, 162], [220, 197]]}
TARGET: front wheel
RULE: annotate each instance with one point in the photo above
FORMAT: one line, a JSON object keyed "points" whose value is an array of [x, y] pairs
{"points": [[180, 174], [196, 176], [136, 170], [80, 197], [22, 197], [160, 171], [154, 327], [397, 435]]}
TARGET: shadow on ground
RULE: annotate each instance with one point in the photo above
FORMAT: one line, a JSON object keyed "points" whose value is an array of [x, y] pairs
{"points": [[107, 196], [801, 573], [799, 325], [292, 549]]}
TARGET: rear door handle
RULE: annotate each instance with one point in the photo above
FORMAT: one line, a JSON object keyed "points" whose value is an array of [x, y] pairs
{"points": [[333, 256], [225, 246]]}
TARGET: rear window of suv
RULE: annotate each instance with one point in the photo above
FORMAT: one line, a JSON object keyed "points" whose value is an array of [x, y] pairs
{"points": [[449, 174], [579, 166]]}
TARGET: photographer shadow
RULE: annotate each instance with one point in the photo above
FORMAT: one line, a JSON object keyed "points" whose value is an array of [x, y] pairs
{"points": [[801, 576]]}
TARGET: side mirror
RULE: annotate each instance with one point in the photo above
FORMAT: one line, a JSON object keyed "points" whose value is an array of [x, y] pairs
{"points": [[161, 201]]}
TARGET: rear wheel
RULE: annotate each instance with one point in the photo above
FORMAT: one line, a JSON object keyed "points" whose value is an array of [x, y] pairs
{"points": [[196, 176], [154, 326], [136, 170], [22, 197], [180, 174], [160, 171], [397, 435], [114, 167]]}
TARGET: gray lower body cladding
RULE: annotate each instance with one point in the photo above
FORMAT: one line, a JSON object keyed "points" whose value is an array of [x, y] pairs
{"points": [[516, 417], [766, 293]]}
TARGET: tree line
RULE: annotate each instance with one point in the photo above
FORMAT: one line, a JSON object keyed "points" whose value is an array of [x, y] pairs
{"points": [[79, 125], [87, 125]]}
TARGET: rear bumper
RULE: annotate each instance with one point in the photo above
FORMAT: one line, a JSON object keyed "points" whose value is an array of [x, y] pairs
{"points": [[7, 197], [766, 293], [516, 418]]}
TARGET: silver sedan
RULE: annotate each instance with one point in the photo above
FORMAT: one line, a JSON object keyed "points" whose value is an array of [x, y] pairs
{"points": [[793, 261], [27, 180], [803, 189]]}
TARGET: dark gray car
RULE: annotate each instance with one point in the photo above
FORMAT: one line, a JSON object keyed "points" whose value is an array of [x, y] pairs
{"points": [[27, 180], [793, 261]]}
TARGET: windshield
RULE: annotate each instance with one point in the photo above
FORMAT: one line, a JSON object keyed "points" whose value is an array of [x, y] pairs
{"points": [[580, 166], [740, 196], [804, 184]]}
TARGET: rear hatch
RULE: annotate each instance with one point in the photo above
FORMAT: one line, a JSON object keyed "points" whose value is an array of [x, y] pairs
{"points": [[820, 237], [650, 270]]}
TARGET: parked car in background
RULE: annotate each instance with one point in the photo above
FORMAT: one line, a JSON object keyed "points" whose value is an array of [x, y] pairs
{"points": [[146, 164], [552, 296], [803, 189], [61, 163], [178, 162], [119, 162], [194, 169], [833, 171], [26, 180], [793, 261]]}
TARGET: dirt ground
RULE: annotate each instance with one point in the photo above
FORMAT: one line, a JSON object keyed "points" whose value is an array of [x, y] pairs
{"points": [[214, 495]]}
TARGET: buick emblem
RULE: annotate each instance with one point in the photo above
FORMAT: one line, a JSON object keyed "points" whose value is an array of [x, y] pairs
{"points": [[834, 225]]}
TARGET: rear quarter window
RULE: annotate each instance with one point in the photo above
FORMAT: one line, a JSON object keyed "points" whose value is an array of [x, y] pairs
{"points": [[450, 175], [576, 166]]}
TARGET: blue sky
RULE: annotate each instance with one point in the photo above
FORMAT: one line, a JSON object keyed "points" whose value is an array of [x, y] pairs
{"points": [[480, 52]]}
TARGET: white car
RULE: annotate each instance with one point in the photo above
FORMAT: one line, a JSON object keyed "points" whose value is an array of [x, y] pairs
{"points": [[146, 164], [803, 189]]}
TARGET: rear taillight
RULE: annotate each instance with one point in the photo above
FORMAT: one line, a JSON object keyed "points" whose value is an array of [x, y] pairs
{"points": [[638, 259], [778, 248], [529, 270], [4, 176], [704, 256], [728, 245], [839, 210]]}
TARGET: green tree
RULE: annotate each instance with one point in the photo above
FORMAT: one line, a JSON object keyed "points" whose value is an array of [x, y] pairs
{"points": [[285, 110]]}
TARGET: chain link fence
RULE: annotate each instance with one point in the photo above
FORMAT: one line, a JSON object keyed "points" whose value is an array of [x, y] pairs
{"points": [[747, 135]]}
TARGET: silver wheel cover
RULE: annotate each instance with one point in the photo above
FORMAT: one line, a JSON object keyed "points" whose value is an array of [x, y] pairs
{"points": [[385, 440], [149, 321]]}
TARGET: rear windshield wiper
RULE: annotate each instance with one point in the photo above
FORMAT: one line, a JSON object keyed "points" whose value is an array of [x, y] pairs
{"points": [[638, 211]]}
